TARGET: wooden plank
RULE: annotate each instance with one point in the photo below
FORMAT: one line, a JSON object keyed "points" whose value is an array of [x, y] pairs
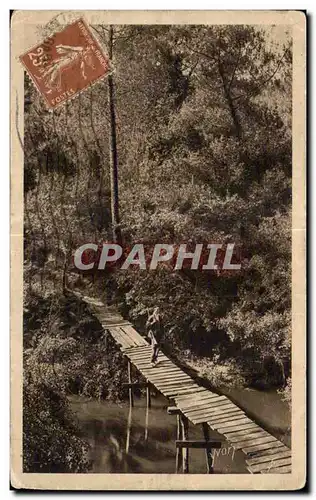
{"points": [[267, 435], [118, 337], [147, 372], [131, 352], [267, 458], [230, 424], [159, 372], [170, 377], [185, 391], [222, 410], [246, 432], [198, 444], [233, 420], [253, 442], [251, 450], [163, 368], [193, 396], [192, 410], [232, 417], [193, 388], [216, 412], [144, 354], [250, 435], [173, 410], [141, 356], [199, 397], [174, 389], [158, 378], [265, 453], [146, 364], [127, 337], [190, 401], [271, 465], [143, 348], [210, 413], [124, 334], [116, 333], [108, 323], [238, 427], [286, 469], [217, 419], [214, 403], [173, 383], [205, 418], [195, 405], [134, 333], [131, 332]]}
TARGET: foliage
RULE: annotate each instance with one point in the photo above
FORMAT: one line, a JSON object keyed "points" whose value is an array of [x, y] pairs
{"points": [[68, 354], [51, 440], [204, 148]]}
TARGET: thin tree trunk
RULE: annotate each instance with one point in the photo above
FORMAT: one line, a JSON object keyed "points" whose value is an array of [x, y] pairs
{"points": [[230, 102], [113, 151]]}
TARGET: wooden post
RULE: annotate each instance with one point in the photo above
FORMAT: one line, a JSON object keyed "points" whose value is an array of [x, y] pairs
{"points": [[130, 390], [148, 405], [185, 451], [178, 450], [208, 452], [148, 397], [113, 150]]}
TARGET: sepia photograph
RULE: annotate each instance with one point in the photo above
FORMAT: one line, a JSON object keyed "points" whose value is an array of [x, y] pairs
{"points": [[155, 202]]}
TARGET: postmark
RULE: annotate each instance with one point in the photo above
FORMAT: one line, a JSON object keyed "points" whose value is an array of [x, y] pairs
{"points": [[66, 63]]}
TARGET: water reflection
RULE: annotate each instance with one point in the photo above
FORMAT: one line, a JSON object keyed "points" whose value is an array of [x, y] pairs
{"points": [[146, 423], [129, 426], [125, 439]]}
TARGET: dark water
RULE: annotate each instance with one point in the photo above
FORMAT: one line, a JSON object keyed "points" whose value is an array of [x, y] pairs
{"points": [[124, 441], [267, 409]]}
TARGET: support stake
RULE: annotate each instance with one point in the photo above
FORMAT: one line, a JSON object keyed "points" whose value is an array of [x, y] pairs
{"points": [[185, 451], [178, 450], [208, 452], [130, 390], [148, 397]]}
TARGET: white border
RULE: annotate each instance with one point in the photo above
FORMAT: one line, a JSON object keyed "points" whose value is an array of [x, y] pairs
{"points": [[4, 185]]}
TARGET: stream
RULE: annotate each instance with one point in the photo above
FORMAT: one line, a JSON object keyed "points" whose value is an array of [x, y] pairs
{"points": [[133, 441]]}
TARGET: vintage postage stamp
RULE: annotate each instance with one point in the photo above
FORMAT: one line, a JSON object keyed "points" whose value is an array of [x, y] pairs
{"points": [[66, 63], [158, 250]]}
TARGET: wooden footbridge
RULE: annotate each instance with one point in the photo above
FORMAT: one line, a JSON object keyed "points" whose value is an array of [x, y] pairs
{"points": [[191, 402]]}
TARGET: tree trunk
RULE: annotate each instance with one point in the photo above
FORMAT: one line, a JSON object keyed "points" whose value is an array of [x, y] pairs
{"points": [[230, 102], [117, 237]]}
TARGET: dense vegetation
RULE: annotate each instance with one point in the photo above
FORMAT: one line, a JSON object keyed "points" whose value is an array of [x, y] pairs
{"points": [[204, 148]]}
